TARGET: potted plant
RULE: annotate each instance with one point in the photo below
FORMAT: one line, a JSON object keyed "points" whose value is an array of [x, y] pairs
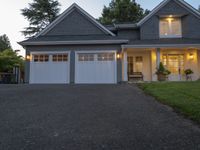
{"points": [[188, 73], [162, 73]]}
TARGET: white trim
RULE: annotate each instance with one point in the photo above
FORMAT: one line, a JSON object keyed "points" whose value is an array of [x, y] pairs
{"points": [[162, 4], [66, 13], [75, 42], [49, 52], [161, 45]]}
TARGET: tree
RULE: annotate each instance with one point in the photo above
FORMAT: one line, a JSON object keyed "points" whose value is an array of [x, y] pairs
{"points": [[4, 43], [120, 11], [40, 13], [9, 59]]}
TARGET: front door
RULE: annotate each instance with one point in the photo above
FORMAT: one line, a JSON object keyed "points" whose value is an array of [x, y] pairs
{"points": [[175, 64]]}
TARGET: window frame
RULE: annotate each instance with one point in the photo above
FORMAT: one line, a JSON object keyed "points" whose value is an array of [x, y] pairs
{"points": [[45, 58], [170, 35], [57, 56], [105, 57], [86, 57]]}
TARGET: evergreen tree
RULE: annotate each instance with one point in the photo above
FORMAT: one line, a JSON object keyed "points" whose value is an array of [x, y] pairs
{"points": [[40, 13], [4, 43], [120, 11]]}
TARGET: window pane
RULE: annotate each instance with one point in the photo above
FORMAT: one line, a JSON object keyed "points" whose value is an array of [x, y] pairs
{"points": [[164, 28], [36, 58], [176, 27], [65, 57], [59, 57], [46, 58], [41, 58], [139, 59], [55, 57]]}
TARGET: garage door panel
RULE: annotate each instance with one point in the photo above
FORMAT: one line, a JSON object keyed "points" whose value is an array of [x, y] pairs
{"points": [[49, 72], [94, 70]]}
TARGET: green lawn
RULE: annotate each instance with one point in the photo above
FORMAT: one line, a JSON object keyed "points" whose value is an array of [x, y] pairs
{"points": [[184, 97]]}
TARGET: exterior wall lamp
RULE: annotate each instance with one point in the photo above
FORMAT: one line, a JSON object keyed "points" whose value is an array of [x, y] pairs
{"points": [[28, 57], [118, 56], [191, 56]]}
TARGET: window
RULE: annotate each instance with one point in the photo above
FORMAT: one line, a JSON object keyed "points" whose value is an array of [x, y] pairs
{"points": [[41, 58], [138, 65], [174, 62], [106, 57], [170, 28], [60, 57], [86, 57]]}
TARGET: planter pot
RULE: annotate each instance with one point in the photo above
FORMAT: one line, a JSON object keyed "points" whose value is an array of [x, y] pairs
{"points": [[161, 77]]}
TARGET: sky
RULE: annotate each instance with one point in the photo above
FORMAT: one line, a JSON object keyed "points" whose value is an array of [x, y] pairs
{"points": [[12, 22]]}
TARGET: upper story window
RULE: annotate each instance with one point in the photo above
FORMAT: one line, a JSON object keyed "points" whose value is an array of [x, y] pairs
{"points": [[170, 28]]}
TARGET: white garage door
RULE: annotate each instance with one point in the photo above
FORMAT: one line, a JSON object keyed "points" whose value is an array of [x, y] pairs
{"points": [[49, 68], [96, 67]]}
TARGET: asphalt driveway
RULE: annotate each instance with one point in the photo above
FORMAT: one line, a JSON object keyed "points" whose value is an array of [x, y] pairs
{"points": [[90, 117]]}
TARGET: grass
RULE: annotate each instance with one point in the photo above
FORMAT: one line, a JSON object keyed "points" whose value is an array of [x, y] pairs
{"points": [[184, 97]]}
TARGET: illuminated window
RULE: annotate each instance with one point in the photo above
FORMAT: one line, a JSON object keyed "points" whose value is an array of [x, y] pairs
{"points": [[170, 28], [174, 63], [86, 57], [106, 57], [41, 58], [138, 65], [60, 57]]}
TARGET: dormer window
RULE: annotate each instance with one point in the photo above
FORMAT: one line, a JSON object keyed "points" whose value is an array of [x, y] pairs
{"points": [[170, 27]]}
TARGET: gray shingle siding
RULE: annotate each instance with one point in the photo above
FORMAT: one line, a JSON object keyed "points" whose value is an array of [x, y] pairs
{"points": [[75, 24], [150, 29], [129, 34], [191, 26]]}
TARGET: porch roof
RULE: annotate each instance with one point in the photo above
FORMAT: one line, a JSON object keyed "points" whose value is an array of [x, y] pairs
{"points": [[159, 43]]}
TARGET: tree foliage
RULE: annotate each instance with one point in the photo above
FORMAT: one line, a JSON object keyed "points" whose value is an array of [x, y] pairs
{"points": [[9, 59], [40, 13], [120, 11], [4, 43]]}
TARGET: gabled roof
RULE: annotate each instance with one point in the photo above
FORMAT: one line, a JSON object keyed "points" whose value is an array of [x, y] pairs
{"points": [[164, 3], [66, 13]]}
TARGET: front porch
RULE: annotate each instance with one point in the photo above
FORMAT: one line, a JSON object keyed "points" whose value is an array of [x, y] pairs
{"points": [[147, 60]]}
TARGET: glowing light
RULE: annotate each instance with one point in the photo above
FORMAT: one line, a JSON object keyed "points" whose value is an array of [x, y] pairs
{"points": [[28, 57], [118, 56], [191, 56]]}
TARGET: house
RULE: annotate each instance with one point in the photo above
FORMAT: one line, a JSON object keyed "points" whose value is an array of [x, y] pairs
{"points": [[75, 48]]}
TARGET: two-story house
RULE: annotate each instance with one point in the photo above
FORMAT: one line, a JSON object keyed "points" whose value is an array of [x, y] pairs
{"points": [[75, 48]]}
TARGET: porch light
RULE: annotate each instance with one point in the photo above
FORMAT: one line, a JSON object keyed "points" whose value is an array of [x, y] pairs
{"points": [[191, 56], [118, 56], [28, 57]]}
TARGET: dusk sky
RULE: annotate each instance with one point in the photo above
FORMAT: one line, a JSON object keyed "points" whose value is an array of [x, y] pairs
{"points": [[12, 22]]}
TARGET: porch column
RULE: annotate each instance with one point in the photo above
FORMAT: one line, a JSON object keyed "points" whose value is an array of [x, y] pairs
{"points": [[125, 66], [157, 57]]}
